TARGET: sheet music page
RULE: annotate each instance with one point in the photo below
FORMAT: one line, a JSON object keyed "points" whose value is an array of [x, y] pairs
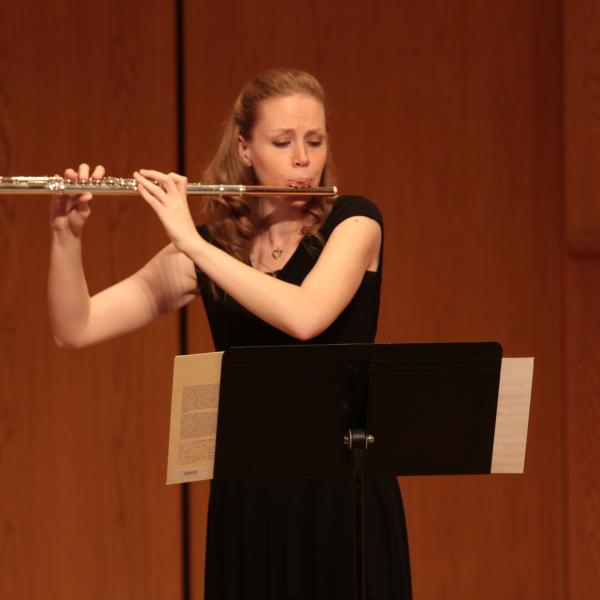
{"points": [[194, 410], [512, 416]]}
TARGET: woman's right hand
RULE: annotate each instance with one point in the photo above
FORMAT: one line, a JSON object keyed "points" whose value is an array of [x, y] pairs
{"points": [[68, 214]]}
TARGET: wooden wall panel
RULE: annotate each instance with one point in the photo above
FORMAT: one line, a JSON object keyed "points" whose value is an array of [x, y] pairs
{"points": [[583, 418], [582, 325], [475, 254], [448, 116], [582, 124], [84, 512]]}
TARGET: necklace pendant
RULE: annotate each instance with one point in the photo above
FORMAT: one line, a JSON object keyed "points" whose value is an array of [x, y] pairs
{"points": [[276, 252]]}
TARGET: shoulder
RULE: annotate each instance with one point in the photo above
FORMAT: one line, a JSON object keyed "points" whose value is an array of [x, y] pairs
{"points": [[345, 207]]}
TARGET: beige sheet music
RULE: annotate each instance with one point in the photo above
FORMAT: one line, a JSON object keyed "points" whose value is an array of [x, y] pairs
{"points": [[194, 411], [512, 415]]}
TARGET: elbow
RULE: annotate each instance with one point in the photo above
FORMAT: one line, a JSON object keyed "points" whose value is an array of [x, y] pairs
{"points": [[68, 333], [66, 342], [302, 335], [307, 329]]}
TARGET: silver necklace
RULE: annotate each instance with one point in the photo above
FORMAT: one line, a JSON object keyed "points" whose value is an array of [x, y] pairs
{"points": [[277, 251], [273, 273]]}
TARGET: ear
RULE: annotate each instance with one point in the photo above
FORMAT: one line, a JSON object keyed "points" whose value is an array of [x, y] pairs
{"points": [[244, 151]]}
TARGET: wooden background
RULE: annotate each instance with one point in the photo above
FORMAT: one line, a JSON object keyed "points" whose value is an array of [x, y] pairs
{"points": [[474, 126]]}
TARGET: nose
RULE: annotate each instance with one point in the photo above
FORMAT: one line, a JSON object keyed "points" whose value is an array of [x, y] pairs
{"points": [[300, 156]]}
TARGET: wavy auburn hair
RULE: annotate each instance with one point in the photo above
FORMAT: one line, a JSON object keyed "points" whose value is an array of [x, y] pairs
{"points": [[233, 222]]}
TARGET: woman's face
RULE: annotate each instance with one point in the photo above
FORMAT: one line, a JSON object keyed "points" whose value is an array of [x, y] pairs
{"points": [[288, 145]]}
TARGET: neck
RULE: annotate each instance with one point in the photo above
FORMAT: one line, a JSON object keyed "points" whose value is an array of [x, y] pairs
{"points": [[279, 217]]}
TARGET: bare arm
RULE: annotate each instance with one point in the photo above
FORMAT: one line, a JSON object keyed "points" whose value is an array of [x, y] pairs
{"points": [[164, 284], [302, 311]]}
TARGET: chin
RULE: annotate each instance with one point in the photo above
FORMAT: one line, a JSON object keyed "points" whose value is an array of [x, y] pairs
{"points": [[298, 202]]}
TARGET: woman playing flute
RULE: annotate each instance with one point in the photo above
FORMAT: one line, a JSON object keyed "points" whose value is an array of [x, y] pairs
{"points": [[271, 271]]}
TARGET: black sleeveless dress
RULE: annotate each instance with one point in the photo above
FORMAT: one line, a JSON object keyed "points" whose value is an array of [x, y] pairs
{"points": [[280, 540]]}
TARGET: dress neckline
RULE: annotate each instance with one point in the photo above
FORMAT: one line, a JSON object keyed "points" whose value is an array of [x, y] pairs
{"points": [[278, 272]]}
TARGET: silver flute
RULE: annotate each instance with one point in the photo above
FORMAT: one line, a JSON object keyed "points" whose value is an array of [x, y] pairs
{"points": [[119, 186]]}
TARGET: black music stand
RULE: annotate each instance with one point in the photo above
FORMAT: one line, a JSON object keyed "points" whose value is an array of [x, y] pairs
{"points": [[344, 410]]}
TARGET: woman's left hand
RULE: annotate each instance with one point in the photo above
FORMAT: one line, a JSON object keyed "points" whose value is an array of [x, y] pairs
{"points": [[169, 201]]}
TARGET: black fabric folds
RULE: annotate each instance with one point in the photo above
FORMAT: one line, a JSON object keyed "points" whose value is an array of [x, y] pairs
{"points": [[290, 539]]}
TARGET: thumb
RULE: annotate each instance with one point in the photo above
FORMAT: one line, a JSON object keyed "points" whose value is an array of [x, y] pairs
{"points": [[83, 207]]}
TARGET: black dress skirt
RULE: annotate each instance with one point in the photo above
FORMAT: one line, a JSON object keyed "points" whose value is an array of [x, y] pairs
{"points": [[292, 539]]}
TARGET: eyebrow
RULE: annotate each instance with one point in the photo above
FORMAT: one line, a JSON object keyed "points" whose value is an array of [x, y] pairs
{"points": [[283, 130]]}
